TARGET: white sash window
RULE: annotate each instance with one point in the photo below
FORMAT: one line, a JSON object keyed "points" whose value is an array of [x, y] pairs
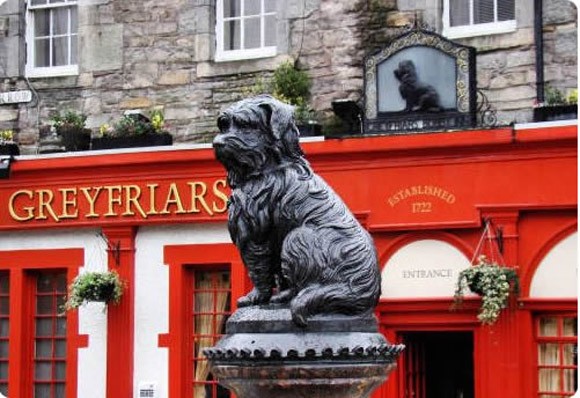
{"points": [[467, 18]]}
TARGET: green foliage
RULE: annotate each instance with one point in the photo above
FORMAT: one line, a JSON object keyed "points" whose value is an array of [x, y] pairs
{"points": [[94, 286], [291, 85], [134, 124], [492, 282], [6, 136], [288, 84], [68, 119], [556, 96]]}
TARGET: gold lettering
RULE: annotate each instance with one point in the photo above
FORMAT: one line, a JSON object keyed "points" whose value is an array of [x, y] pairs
{"points": [[66, 203], [45, 198], [220, 195], [133, 200], [195, 197], [152, 195], [113, 200], [91, 200], [173, 198], [28, 209]]}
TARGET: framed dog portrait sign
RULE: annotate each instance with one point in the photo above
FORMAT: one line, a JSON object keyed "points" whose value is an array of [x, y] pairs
{"points": [[420, 81]]}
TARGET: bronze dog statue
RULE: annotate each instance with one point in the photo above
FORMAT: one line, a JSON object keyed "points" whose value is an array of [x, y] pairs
{"points": [[298, 241]]}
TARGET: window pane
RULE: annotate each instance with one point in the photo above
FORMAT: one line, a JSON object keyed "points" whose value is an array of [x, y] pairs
{"points": [[60, 349], [43, 348], [38, 2], [61, 326], [549, 380], [270, 30], [61, 285], [483, 11], [252, 7], [59, 390], [42, 391], [4, 306], [252, 33], [548, 326], [41, 23], [4, 283], [4, 325], [506, 10], [570, 327], [3, 371], [57, 1], [570, 384], [231, 8], [43, 370], [73, 50], [4, 349], [458, 12], [60, 371], [269, 5], [569, 354], [232, 35], [60, 51], [548, 354], [60, 21], [44, 327], [44, 305]]}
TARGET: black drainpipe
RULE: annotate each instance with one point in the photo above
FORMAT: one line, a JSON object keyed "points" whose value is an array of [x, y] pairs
{"points": [[539, 41]]}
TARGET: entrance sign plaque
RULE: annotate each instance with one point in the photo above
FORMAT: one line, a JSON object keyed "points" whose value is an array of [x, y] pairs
{"points": [[420, 81]]}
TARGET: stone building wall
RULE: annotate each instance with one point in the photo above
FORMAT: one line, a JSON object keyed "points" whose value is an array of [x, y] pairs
{"points": [[151, 54]]}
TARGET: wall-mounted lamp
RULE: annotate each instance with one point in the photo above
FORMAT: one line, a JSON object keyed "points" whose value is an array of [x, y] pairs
{"points": [[5, 164]]}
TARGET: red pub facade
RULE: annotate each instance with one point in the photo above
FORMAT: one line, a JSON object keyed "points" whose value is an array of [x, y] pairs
{"points": [[157, 217]]}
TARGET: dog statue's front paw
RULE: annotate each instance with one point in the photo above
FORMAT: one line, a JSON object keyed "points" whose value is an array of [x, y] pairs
{"points": [[283, 297], [253, 298], [299, 314]]}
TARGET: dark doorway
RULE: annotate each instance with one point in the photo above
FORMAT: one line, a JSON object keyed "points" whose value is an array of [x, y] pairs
{"points": [[438, 364]]}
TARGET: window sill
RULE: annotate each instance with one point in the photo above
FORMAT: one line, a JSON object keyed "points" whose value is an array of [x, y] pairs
{"points": [[484, 29], [211, 69], [242, 55], [57, 71]]}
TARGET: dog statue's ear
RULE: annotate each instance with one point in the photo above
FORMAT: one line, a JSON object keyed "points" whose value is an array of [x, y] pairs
{"points": [[281, 123]]}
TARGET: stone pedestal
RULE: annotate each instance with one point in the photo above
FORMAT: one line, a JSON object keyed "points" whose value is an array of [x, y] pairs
{"points": [[264, 354]]}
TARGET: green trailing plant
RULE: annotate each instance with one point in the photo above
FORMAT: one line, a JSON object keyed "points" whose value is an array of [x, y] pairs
{"points": [[94, 286], [492, 282]]}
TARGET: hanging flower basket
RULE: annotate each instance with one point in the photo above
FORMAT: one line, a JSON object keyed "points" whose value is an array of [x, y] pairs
{"points": [[104, 287], [490, 281]]}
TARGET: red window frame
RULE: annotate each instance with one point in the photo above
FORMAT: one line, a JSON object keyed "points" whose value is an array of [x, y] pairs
{"points": [[183, 261], [561, 341], [4, 330], [23, 266], [212, 293]]}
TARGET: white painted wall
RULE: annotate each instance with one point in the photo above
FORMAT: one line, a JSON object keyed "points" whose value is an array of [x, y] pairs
{"points": [[557, 273], [152, 295], [424, 268], [92, 320]]}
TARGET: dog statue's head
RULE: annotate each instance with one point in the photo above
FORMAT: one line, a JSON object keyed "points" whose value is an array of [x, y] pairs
{"points": [[256, 135], [406, 71]]}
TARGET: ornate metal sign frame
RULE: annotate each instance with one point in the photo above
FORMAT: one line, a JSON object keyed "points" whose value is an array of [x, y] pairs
{"points": [[401, 122]]}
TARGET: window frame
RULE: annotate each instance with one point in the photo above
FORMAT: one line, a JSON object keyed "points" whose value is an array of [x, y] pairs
{"points": [[558, 339], [23, 267], [48, 71], [475, 29], [222, 55]]}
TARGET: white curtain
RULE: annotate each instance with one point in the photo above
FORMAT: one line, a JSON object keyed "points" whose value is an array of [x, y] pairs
{"points": [[211, 297]]}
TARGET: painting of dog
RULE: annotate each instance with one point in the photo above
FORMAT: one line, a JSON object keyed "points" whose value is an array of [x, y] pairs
{"points": [[301, 245], [418, 95]]}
